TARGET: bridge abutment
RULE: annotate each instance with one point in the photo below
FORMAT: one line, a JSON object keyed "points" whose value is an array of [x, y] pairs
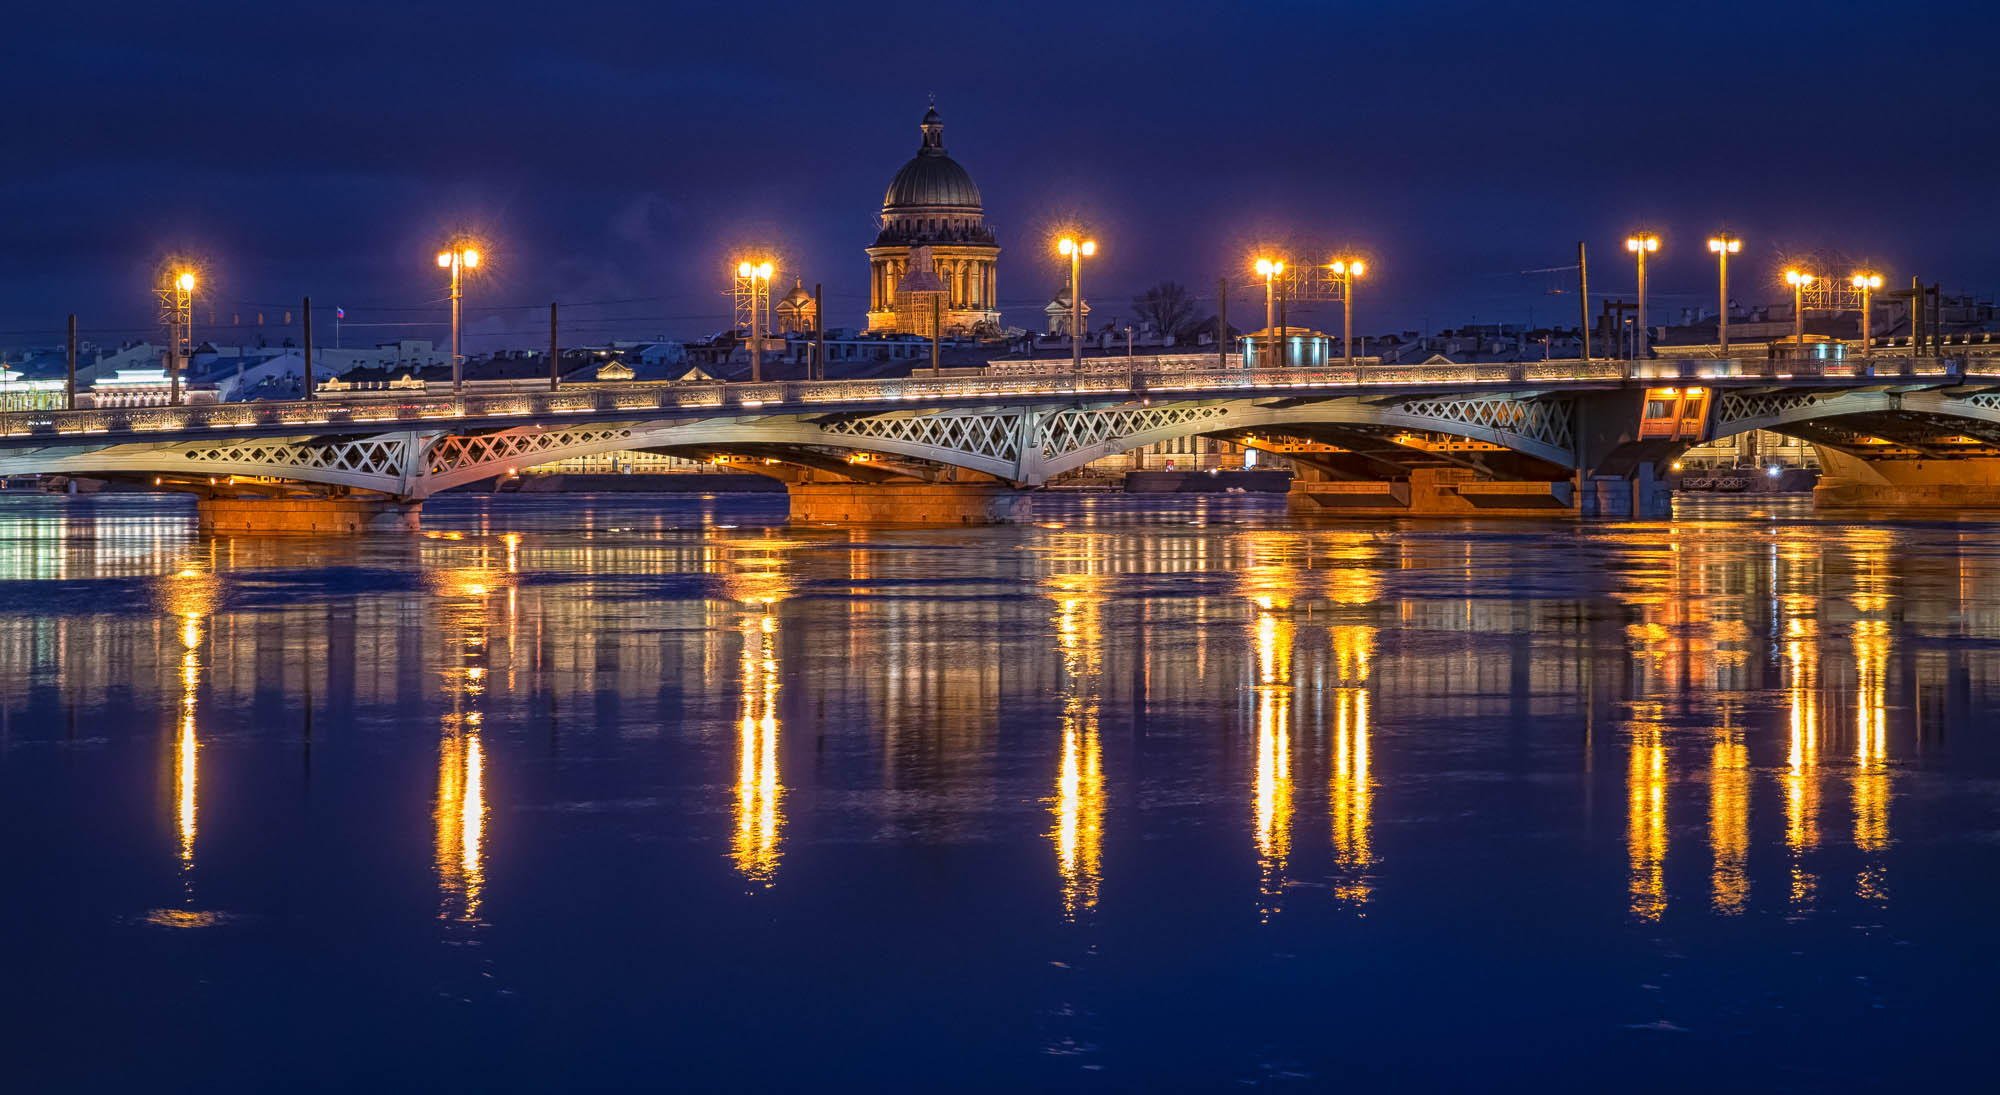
{"points": [[909, 503], [1851, 482], [308, 516]]}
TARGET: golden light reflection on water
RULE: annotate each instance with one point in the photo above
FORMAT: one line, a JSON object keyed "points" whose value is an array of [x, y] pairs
{"points": [[188, 596], [759, 820], [1729, 781], [1350, 789], [1871, 641], [1646, 814], [1078, 806], [459, 814], [754, 576], [1801, 778], [1273, 781]]}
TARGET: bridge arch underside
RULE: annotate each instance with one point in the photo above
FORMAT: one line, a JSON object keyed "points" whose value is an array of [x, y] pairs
{"points": [[1935, 448], [1879, 425], [1501, 436]]}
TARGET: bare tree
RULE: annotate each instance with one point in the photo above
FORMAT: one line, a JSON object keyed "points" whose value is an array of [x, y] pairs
{"points": [[1169, 307]]}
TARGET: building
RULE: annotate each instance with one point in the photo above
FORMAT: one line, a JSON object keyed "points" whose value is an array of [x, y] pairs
{"points": [[933, 204], [798, 312]]}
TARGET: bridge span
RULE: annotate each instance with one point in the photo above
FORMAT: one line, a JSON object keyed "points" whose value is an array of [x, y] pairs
{"points": [[1587, 438]]}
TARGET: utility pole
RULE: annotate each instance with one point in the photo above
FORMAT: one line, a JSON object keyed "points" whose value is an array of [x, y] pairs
{"points": [[555, 356], [819, 336], [1583, 297], [71, 387], [306, 377], [1284, 328], [1222, 323]]}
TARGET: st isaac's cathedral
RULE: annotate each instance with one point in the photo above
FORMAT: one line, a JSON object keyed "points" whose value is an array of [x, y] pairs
{"points": [[932, 217]]}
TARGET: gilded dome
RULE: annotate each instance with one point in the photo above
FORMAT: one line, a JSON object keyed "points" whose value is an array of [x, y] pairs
{"points": [[931, 179]]}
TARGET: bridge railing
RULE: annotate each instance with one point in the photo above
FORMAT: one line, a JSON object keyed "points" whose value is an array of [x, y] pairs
{"points": [[1180, 377]]}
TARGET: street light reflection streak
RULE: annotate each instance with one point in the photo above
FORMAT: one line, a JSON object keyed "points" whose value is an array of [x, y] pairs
{"points": [[1729, 822], [186, 768], [1273, 786], [759, 821], [1802, 761], [1646, 815], [1350, 792], [1079, 803]]}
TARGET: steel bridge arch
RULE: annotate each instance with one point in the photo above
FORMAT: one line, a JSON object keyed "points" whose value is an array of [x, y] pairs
{"points": [[1741, 412]]}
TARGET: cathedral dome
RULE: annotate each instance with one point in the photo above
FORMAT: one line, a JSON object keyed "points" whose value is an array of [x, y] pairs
{"points": [[932, 179]]}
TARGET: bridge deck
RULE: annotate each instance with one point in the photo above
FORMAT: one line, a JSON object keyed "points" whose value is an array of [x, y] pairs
{"points": [[1103, 380]]}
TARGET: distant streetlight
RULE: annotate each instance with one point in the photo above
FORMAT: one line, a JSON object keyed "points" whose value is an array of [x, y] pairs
{"points": [[1798, 280], [1270, 269], [1347, 270], [1724, 246], [1642, 245], [461, 256], [1867, 282], [1077, 250], [758, 274]]}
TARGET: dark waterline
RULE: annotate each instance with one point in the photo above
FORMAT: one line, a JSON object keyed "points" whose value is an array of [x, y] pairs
{"points": [[656, 792]]}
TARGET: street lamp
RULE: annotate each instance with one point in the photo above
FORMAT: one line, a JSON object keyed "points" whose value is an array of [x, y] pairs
{"points": [[1347, 270], [1867, 283], [1642, 245], [461, 257], [1724, 246], [758, 274], [1798, 280], [1077, 250], [1270, 269], [177, 304]]}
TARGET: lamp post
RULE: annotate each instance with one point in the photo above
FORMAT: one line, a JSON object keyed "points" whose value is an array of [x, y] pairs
{"points": [[180, 329], [461, 256], [1270, 269], [1867, 283], [759, 276], [1724, 246], [1077, 250], [1643, 244], [1347, 270], [1798, 280]]}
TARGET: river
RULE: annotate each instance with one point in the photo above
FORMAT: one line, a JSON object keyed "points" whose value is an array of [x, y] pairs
{"points": [[583, 792]]}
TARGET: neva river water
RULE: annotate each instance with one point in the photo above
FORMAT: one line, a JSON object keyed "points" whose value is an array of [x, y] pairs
{"points": [[654, 792]]}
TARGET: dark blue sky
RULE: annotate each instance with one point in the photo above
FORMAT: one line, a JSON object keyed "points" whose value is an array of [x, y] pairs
{"points": [[623, 152]]}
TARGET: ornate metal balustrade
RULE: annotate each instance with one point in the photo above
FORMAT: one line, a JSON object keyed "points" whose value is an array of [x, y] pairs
{"points": [[1146, 378]]}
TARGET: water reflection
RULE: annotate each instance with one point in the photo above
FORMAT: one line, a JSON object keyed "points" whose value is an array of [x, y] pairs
{"points": [[1729, 781], [460, 811], [1801, 777], [1079, 800], [188, 597], [757, 582], [1350, 790], [1646, 814], [1871, 721], [758, 821], [1272, 799]]}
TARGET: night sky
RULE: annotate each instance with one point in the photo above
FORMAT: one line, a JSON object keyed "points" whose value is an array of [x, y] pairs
{"points": [[618, 156]]}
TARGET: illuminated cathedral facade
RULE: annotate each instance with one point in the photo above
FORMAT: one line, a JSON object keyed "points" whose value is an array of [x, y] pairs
{"points": [[932, 215]]}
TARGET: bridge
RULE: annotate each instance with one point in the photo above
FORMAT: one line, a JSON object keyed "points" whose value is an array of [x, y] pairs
{"points": [[1589, 438]]}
